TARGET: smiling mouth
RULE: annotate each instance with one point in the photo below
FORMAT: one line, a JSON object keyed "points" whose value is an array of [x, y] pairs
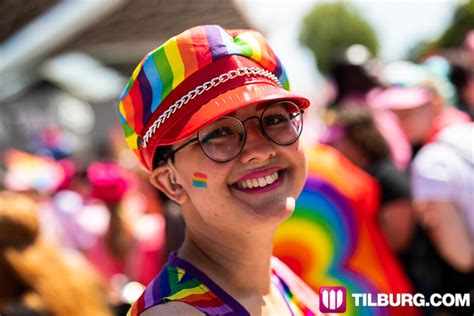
{"points": [[260, 184]]}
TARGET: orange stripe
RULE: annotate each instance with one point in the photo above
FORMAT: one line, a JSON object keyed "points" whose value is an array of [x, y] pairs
{"points": [[188, 53], [129, 113]]}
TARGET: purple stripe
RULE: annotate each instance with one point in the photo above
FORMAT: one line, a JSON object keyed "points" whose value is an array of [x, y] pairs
{"points": [[237, 308], [278, 69], [147, 94], [156, 288], [216, 44], [221, 310], [149, 299]]}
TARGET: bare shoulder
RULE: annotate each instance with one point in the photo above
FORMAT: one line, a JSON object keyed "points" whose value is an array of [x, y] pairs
{"points": [[172, 308]]}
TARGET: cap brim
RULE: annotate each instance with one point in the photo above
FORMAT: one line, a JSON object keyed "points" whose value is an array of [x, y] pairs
{"points": [[224, 104], [399, 98]]}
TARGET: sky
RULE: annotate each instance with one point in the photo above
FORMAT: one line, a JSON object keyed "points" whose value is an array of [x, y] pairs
{"points": [[399, 26]]}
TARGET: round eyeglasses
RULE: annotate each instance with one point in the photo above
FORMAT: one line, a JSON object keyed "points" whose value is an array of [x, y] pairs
{"points": [[224, 139]]}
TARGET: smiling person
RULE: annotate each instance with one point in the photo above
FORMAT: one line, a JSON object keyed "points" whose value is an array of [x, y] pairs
{"points": [[209, 115]]}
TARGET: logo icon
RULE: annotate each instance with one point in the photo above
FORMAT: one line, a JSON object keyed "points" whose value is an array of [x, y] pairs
{"points": [[332, 299]]}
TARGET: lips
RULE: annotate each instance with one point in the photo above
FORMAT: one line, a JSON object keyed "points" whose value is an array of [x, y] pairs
{"points": [[259, 181]]}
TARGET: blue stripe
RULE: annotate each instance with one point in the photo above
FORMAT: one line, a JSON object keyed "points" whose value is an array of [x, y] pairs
{"points": [[127, 88], [199, 184], [122, 119], [155, 82]]}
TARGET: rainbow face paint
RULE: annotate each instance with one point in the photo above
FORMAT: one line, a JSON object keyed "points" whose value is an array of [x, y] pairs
{"points": [[200, 180]]}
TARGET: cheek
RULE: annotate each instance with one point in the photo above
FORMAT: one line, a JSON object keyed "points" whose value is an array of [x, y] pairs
{"points": [[299, 164]]}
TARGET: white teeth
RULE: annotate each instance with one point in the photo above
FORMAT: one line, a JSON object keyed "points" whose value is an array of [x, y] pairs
{"points": [[248, 183], [269, 179], [259, 182]]}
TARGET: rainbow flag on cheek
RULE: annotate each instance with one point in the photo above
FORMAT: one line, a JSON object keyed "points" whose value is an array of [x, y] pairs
{"points": [[333, 237], [200, 180]]}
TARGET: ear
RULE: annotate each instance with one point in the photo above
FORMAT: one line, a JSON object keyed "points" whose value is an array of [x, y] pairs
{"points": [[163, 179]]}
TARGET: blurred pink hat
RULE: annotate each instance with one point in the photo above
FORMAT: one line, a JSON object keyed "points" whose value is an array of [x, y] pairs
{"points": [[109, 181], [399, 98]]}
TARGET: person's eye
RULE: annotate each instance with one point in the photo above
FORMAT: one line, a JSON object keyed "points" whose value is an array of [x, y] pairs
{"points": [[275, 119], [216, 134]]}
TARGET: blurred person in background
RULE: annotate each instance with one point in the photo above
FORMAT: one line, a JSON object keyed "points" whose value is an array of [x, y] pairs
{"points": [[183, 113], [102, 211], [462, 74], [419, 98], [423, 112], [38, 279], [443, 191], [131, 242], [351, 82], [353, 132]]}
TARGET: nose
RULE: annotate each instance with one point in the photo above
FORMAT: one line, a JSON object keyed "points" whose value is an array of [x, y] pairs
{"points": [[257, 147]]}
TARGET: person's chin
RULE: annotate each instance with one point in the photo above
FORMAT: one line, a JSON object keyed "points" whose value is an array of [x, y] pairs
{"points": [[274, 212]]}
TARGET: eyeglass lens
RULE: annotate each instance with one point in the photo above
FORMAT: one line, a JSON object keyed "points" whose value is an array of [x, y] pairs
{"points": [[224, 139]]}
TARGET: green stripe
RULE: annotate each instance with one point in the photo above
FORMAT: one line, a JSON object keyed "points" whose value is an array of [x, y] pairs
{"points": [[127, 130], [200, 184], [164, 69], [244, 46]]}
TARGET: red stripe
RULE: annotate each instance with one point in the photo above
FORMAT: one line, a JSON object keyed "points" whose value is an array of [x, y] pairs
{"points": [[138, 306], [200, 175], [201, 46], [203, 300], [136, 97]]}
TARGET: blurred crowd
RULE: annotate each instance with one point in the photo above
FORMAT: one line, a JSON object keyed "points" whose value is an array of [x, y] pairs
{"points": [[84, 238]]}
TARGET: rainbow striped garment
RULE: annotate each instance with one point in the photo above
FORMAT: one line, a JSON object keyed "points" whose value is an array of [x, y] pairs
{"points": [[180, 281], [164, 68]]}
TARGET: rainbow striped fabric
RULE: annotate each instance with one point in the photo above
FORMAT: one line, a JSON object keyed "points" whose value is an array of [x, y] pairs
{"points": [[164, 68], [333, 237], [182, 282]]}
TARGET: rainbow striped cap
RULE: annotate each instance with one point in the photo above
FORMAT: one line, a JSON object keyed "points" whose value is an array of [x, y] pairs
{"points": [[193, 79]]}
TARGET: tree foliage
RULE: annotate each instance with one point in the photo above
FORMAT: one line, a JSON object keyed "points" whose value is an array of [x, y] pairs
{"points": [[454, 35], [330, 28], [462, 23]]}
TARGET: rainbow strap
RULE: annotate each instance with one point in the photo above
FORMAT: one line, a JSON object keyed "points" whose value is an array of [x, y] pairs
{"points": [[180, 281], [166, 67]]}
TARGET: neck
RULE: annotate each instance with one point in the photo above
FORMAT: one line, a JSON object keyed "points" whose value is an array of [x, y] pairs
{"points": [[239, 263]]}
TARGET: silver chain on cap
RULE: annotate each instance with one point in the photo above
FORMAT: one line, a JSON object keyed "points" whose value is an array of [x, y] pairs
{"points": [[200, 90]]}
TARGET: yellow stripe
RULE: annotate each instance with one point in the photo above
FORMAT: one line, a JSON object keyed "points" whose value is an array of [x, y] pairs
{"points": [[184, 293], [174, 59], [180, 274], [256, 50], [136, 72], [132, 141], [122, 110]]}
